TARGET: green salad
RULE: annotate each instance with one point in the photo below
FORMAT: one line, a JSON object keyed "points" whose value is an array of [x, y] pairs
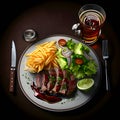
{"points": [[74, 57]]}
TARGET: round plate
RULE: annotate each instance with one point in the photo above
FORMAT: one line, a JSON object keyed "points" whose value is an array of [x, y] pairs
{"points": [[67, 104]]}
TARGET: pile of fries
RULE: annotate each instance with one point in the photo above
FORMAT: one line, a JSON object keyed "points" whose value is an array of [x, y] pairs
{"points": [[43, 57]]}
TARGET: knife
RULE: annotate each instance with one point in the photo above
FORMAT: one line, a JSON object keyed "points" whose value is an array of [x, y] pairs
{"points": [[105, 57], [13, 67]]}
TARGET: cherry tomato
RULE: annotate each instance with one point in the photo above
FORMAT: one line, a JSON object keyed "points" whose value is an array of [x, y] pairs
{"points": [[62, 42], [78, 61]]}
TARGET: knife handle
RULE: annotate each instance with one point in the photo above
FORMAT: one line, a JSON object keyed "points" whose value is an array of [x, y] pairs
{"points": [[12, 79]]}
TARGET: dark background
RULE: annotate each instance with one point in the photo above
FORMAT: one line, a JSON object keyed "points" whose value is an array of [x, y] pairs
{"points": [[9, 10]]}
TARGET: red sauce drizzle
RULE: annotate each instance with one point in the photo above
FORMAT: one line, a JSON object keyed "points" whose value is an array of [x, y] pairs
{"points": [[45, 97]]}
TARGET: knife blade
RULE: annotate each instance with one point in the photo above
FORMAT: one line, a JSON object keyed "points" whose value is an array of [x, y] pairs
{"points": [[13, 67]]}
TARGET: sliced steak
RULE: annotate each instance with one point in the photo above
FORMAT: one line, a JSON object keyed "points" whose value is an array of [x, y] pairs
{"points": [[63, 88], [38, 80], [71, 86], [59, 78], [56, 82], [52, 79], [45, 80]]}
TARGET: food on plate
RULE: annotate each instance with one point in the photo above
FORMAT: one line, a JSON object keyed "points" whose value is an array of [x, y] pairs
{"points": [[42, 57], [85, 84], [60, 67], [62, 42], [75, 58], [55, 82]]}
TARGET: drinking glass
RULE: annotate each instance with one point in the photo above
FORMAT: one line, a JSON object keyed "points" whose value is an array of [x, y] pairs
{"points": [[91, 20]]}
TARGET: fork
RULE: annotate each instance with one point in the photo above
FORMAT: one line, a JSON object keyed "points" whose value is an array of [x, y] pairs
{"points": [[105, 56]]}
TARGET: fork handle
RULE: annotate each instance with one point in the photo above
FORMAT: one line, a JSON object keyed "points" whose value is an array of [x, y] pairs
{"points": [[106, 77]]}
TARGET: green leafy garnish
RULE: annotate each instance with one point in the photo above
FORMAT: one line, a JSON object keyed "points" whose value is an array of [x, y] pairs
{"points": [[79, 51]]}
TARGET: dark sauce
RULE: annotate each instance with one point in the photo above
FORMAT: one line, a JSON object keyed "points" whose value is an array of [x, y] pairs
{"points": [[46, 97]]}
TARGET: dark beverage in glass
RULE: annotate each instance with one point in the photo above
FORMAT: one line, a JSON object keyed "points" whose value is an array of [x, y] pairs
{"points": [[91, 18]]}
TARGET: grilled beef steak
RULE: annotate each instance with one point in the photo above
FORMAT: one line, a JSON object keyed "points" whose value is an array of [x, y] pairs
{"points": [[55, 82]]}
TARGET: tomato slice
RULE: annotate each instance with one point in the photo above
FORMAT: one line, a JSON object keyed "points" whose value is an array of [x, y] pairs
{"points": [[79, 61], [62, 42]]}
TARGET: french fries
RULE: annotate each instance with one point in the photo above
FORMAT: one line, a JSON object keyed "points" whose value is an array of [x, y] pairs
{"points": [[43, 57]]}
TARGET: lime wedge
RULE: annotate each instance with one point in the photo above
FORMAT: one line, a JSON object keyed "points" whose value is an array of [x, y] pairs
{"points": [[85, 83]]}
